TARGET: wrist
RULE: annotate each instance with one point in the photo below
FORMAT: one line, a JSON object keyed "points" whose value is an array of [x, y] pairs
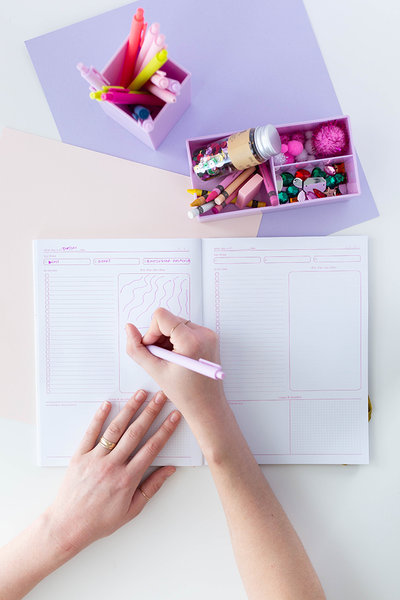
{"points": [[60, 541]]}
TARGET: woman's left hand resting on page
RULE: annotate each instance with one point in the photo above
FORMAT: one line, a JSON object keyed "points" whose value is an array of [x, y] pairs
{"points": [[99, 494]]}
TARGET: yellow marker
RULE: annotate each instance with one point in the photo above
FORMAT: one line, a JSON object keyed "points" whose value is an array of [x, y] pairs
{"points": [[108, 88], [154, 65], [96, 95]]}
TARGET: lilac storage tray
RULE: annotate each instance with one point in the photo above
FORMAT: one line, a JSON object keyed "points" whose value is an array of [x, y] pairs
{"points": [[351, 188]]}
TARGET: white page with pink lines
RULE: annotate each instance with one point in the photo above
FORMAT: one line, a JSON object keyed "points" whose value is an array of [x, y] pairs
{"points": [[85, 293], [292, 316]]}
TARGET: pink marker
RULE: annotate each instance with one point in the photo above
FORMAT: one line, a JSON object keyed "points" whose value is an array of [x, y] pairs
{"points": [[174, 86], [224, 184], [92, 76], [165, 95], [130, 98], [159, 80], [148, 124], [202, 366], [151, 35], [156, 46]]}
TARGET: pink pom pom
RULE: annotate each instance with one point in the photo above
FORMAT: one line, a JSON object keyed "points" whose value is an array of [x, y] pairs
{"points": [[330, 139], [298, 136], [289, 158], [284, 148], [295, 147], [285, 138]]}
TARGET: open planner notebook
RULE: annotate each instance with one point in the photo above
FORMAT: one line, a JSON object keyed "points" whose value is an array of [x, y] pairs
{"points": [[291, 314]]}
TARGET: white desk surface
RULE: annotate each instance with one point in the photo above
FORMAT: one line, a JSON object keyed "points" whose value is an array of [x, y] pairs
{"points": [[348, 517]]}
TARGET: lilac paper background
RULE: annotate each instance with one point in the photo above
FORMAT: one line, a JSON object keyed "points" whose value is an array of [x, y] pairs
{"points": [[243, 76]]}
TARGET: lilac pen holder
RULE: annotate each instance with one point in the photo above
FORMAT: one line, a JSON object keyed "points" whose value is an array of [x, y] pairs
{"points": [[348, 190], [164, 117]]}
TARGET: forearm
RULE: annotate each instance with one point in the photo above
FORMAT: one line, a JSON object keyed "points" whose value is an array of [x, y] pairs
{"points": [[270, 556], [30, 557]]}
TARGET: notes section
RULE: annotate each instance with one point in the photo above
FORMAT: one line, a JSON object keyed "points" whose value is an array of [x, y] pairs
{"points": [[325, 343]]}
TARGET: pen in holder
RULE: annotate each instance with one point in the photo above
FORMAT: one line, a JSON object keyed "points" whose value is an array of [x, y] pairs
{"points": [[166, 106]]}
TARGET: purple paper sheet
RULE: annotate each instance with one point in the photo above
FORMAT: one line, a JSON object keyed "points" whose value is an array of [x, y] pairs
{"points": [[244, 75]]}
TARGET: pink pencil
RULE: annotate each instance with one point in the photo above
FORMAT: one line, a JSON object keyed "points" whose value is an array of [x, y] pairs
{"points": [[124, 98]]}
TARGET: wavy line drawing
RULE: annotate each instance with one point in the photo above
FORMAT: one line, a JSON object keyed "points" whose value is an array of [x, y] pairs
{"points": [[155, 297], [141, 295], [134, 290], [162, 297], [179, 302], [172, 294], [120, 291], [142, 302]]}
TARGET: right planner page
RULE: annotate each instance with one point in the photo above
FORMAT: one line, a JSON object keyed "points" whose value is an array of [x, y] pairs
{"points": [[292, 318]]}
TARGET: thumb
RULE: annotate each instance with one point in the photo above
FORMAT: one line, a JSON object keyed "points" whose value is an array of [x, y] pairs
{"points": [[137, 351]]}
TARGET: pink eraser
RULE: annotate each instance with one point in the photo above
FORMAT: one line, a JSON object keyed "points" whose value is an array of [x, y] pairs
{"points": [[249, 190]]}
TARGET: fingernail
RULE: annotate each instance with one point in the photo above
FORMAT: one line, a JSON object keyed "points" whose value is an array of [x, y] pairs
{"points": [[175, 416], [105, 406], [126, 329], [169, 473], [159, 398], [140, 395]]}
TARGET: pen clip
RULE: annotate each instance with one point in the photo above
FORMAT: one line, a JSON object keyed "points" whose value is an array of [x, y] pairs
{"points": [[208, 362], [142, 35]]}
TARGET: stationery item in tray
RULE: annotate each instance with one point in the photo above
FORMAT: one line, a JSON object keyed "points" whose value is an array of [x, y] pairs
{"points": [[236, 152]]}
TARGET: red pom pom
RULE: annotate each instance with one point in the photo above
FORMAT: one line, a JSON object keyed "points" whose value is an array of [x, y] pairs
{"points": [[330, 139]]}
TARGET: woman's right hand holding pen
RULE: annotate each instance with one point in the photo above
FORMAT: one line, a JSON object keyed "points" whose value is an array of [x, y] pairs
{"points": [[271, 559], [199, 398]]}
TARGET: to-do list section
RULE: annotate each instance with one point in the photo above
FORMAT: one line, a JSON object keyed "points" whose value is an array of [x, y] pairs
{"points": [[85, 293]]}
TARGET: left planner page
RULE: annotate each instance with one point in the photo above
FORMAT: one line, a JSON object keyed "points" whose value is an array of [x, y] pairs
{"points": [[85, 293]]}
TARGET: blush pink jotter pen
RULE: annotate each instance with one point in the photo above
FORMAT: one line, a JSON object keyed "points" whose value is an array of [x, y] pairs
{"points": [[204, 367]]}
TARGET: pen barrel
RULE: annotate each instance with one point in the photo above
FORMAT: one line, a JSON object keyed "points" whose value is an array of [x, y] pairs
{"points": [[204, 368], [154, 65], [123, 98]]}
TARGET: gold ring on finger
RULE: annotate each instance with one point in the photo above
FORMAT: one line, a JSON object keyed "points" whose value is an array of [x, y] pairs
{"points": [[106, 444], [143, 494], [175, 326]]}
